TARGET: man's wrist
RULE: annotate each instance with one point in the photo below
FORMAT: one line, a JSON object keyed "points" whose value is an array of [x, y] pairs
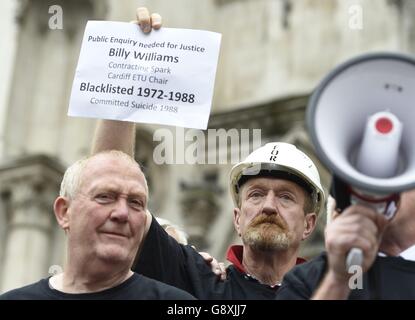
{"points": [[333, 287]]}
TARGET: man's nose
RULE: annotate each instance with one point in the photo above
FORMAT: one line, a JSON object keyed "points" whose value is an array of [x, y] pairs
{"points": [[121, 210], [270, 206]]}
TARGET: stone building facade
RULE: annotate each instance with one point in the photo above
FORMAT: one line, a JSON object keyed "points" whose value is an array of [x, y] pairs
{"points": [[273, 54]]}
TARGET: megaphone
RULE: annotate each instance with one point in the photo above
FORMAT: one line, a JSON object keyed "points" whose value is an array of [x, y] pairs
{"points": [[361, 119]]}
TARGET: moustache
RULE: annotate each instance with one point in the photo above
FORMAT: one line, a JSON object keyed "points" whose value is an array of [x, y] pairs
{"points": [[271, 219]]}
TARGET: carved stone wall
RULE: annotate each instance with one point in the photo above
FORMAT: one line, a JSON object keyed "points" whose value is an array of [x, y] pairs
{"points": [[36, 120], [273, 53], [29, 186]]}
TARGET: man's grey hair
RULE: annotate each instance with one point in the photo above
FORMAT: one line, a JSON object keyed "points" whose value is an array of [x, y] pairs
{"points": [[181, 235], [331, 209], [73, 175]]}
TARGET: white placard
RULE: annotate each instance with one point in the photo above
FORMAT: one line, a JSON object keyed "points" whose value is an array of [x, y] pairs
{"points": [[165, 77]]}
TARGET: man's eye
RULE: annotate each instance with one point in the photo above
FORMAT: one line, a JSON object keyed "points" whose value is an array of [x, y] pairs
{"points": [[286, 197], [105, 198], [136, 203], [256, 195]]}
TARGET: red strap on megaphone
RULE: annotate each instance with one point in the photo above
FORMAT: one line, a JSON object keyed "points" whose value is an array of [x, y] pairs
{"points": [[386, 205]]}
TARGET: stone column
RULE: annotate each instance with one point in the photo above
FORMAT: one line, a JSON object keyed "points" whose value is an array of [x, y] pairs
{"points": [[45, 61], [407, 11], [4, 204], [200, 208], [32, 184]]}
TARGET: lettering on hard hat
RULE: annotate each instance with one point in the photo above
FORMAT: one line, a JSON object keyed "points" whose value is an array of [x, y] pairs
{"points": [[274, 154]]}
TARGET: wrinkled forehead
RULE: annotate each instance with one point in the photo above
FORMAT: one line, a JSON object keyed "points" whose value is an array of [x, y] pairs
{"points": [[406, 206], [409, 194], [113, 167], [271, 183]]}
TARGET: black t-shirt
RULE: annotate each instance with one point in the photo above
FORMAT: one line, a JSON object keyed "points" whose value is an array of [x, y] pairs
{"points": [[164, 259], [137, 287], [388, 278]]}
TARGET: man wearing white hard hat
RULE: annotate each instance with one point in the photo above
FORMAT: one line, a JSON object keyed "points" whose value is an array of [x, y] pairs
{"points": [[277, 195]]}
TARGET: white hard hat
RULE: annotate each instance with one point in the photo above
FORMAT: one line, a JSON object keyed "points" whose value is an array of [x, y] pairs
{"points": [[281, 160]]}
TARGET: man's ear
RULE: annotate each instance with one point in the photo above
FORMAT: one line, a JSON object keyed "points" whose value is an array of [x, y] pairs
{"points": [[149, 219], [236, 217], [60, 208], [309, 224]]}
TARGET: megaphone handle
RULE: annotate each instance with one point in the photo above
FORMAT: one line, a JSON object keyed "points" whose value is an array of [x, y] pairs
{"points": [[354, 258]]}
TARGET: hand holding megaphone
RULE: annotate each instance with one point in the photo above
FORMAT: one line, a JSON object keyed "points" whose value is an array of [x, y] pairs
{"points": [[357, 226], [378, 157]]}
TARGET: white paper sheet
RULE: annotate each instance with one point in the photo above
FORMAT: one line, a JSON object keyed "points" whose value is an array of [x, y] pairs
{"points": [[165, 77]]}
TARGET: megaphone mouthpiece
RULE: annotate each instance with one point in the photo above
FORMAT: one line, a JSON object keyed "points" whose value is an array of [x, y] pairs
{"points": [[379, 152]]}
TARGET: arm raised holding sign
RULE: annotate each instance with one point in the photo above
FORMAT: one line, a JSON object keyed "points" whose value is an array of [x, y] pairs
{"points": [[120, 135]]}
